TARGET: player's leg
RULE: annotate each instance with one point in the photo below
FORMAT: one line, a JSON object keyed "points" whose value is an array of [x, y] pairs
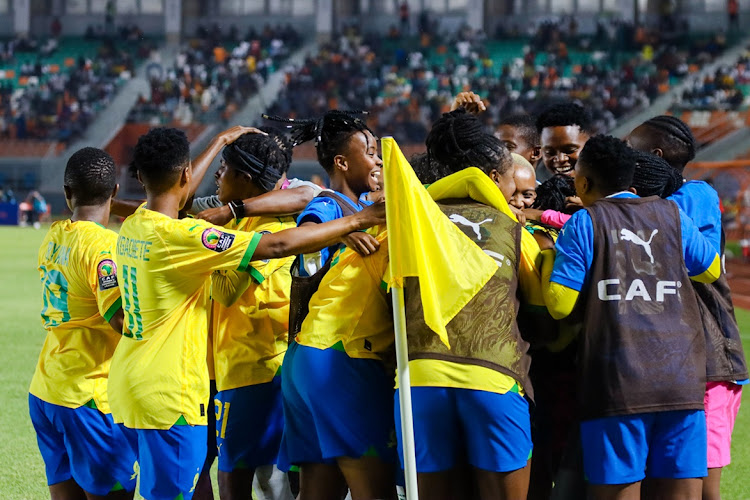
{"points": [[355, 422], [103, 459], [51, 443], [249, 424], [631, 491], [321, 482], [171, 461], [88, 452], [349, 414], [300, 444], [676, 462], [66, 490], [498, 441], [437, 439], [722, 403], [270, 483], [204, 490], [615, 452]]}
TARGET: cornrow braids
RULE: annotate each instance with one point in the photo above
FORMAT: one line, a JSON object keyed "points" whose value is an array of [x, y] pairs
{"points": [[675, 138], [654, 176], [330, 132], [458, 141], [551, 194], [283, 142], [91, 176], [428, 169]]}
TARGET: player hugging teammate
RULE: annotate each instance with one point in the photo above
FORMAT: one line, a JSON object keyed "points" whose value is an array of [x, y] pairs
{"points": [[606, 337]]}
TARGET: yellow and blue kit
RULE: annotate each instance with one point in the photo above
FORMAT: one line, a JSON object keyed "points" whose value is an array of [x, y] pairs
{"points": [[249, 343], [337, 392], [68, 394], [159, 381]]}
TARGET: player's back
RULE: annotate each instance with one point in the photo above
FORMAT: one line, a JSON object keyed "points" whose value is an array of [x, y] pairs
{"points": [[79, 296], [159, 371], [250, 337]]}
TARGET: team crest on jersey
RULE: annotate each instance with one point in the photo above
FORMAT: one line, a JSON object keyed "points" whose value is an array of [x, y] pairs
{"points": [[107, 273], [215, 240]]}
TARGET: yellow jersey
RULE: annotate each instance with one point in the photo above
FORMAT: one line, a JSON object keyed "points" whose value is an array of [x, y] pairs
{"points": [[159, 374], [351, 304], [79, 297], [250, 337]]}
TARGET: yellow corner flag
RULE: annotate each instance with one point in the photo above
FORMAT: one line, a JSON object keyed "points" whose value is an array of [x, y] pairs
{"points": [[424, 243]]}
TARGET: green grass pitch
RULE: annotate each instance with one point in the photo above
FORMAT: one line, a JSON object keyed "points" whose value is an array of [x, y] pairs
{"points": [[21, 337]]}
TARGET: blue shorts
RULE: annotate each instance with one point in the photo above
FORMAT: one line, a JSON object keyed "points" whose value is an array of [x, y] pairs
{"points": [[334, 406], [170, 460], [249, 424], [628, 448], [491, 431], [82, 444]]}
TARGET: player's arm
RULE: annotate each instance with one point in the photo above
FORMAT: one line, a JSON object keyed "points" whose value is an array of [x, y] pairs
{"points": [[279, 202], [125, 208], [116, 320], [203, 160], [702, 262], [228, 286], [310, 238], [565, 271]]}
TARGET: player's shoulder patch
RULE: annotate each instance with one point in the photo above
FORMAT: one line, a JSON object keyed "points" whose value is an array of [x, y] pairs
{"points": [[216, 240], [106, 273]]}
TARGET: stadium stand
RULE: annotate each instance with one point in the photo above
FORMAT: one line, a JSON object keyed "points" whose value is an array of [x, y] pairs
{"points": [[406, 82], [50, 92], [213, 75]]}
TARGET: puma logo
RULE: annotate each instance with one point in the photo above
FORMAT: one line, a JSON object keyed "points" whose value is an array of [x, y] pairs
{"points": [[628, 235], [460, 219]]}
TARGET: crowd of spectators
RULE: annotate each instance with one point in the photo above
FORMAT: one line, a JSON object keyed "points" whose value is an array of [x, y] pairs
{"points": [[214, 74], [723, 89], [57, 103], [407, 82]]}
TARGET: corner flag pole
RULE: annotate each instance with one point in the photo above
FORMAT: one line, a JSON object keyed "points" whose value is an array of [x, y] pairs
{"points": [[404, 393]]}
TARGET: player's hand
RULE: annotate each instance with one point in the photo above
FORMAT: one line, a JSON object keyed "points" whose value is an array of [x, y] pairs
{"points": [[544, 240], [518, 213], [362, 243], [470, 101], [372, 215], [232, 134], [533, 214], [573, 202], [218, 216]]}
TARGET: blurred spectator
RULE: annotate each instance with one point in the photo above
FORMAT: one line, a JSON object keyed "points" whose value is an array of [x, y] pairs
{"points": [[59, 104], [33, 210], [209, 82], [407, 83]]}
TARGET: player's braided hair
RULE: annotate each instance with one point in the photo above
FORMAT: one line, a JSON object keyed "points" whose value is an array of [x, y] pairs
{"points": [[551, 194], [330, 132], [284, 143], [675, 139], [526, 125], [259, 156], [428, 169], [654, 176], [159, 156], [563, 115], [458, 141], [91, 176], [610, 163]]}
